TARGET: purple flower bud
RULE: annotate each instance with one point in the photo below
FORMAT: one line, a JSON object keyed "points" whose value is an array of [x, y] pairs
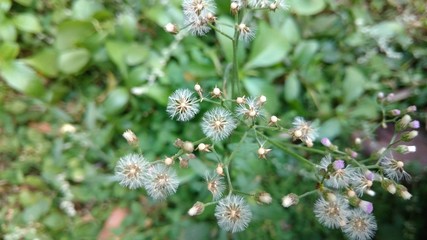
{"points": [[395, 112], [369, 175], [338, 164], [354, 154], [366, 206], [414, 124], [326, 142]]}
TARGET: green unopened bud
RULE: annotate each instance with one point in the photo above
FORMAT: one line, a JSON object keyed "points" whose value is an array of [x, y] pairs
{"points": [[406, 149], [403, 123], [403, 192], [409, 136], [388, 185]]}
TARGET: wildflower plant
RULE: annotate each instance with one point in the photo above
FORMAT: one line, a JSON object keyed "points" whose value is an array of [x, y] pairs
{"points": [[341, 176]]}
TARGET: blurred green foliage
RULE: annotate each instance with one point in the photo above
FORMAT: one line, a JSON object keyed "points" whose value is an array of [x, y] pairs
{"points": [[106, 66]]}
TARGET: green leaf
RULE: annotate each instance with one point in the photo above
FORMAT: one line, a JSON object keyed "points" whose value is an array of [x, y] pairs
{"points": [[27, 22], [158, 93], [116, 101], [257, 87], [34, 212], [45, 61], [291, 31], [117, 51], [8, 51], [22, 78], [267, 50], [83, 9], [330, 128], [5, 5], [136, 54], [353, 84], [307, 7], [72, 33], [8, 31], [305, 51], [25, 3], [72, 61], [292, 87]]}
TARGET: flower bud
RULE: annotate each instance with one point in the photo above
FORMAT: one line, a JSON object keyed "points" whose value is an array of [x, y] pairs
{"points": [[388, 185], [326, 142], [366, 206], [402, 124], [203, 147], [188, 147], [240, 100], [130, 137], [168, 161], [408, 136], [412, 108], [357, 141], [216, 92], [183, 162], [395, 112], [197, 88], [414, 124], [403, 192], [262, 152], [380, 96], [171, 28], [290, 200], [273, 120], [220, 170], [264, 197], [351, 193], [262, 99], [273, 6], [403, 149], [197, 209]]}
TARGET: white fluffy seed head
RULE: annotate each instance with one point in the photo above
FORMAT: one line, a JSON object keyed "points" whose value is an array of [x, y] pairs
{"points": [[233, 214]]}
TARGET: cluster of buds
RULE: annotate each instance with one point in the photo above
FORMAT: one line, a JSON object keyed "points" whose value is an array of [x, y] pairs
{"points": [[186, 146]]}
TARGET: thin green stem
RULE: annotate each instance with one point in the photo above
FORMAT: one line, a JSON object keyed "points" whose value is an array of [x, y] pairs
{"points": [[308, 193], [220, 32], [230, 186], [247, 194], [237, 148]]}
